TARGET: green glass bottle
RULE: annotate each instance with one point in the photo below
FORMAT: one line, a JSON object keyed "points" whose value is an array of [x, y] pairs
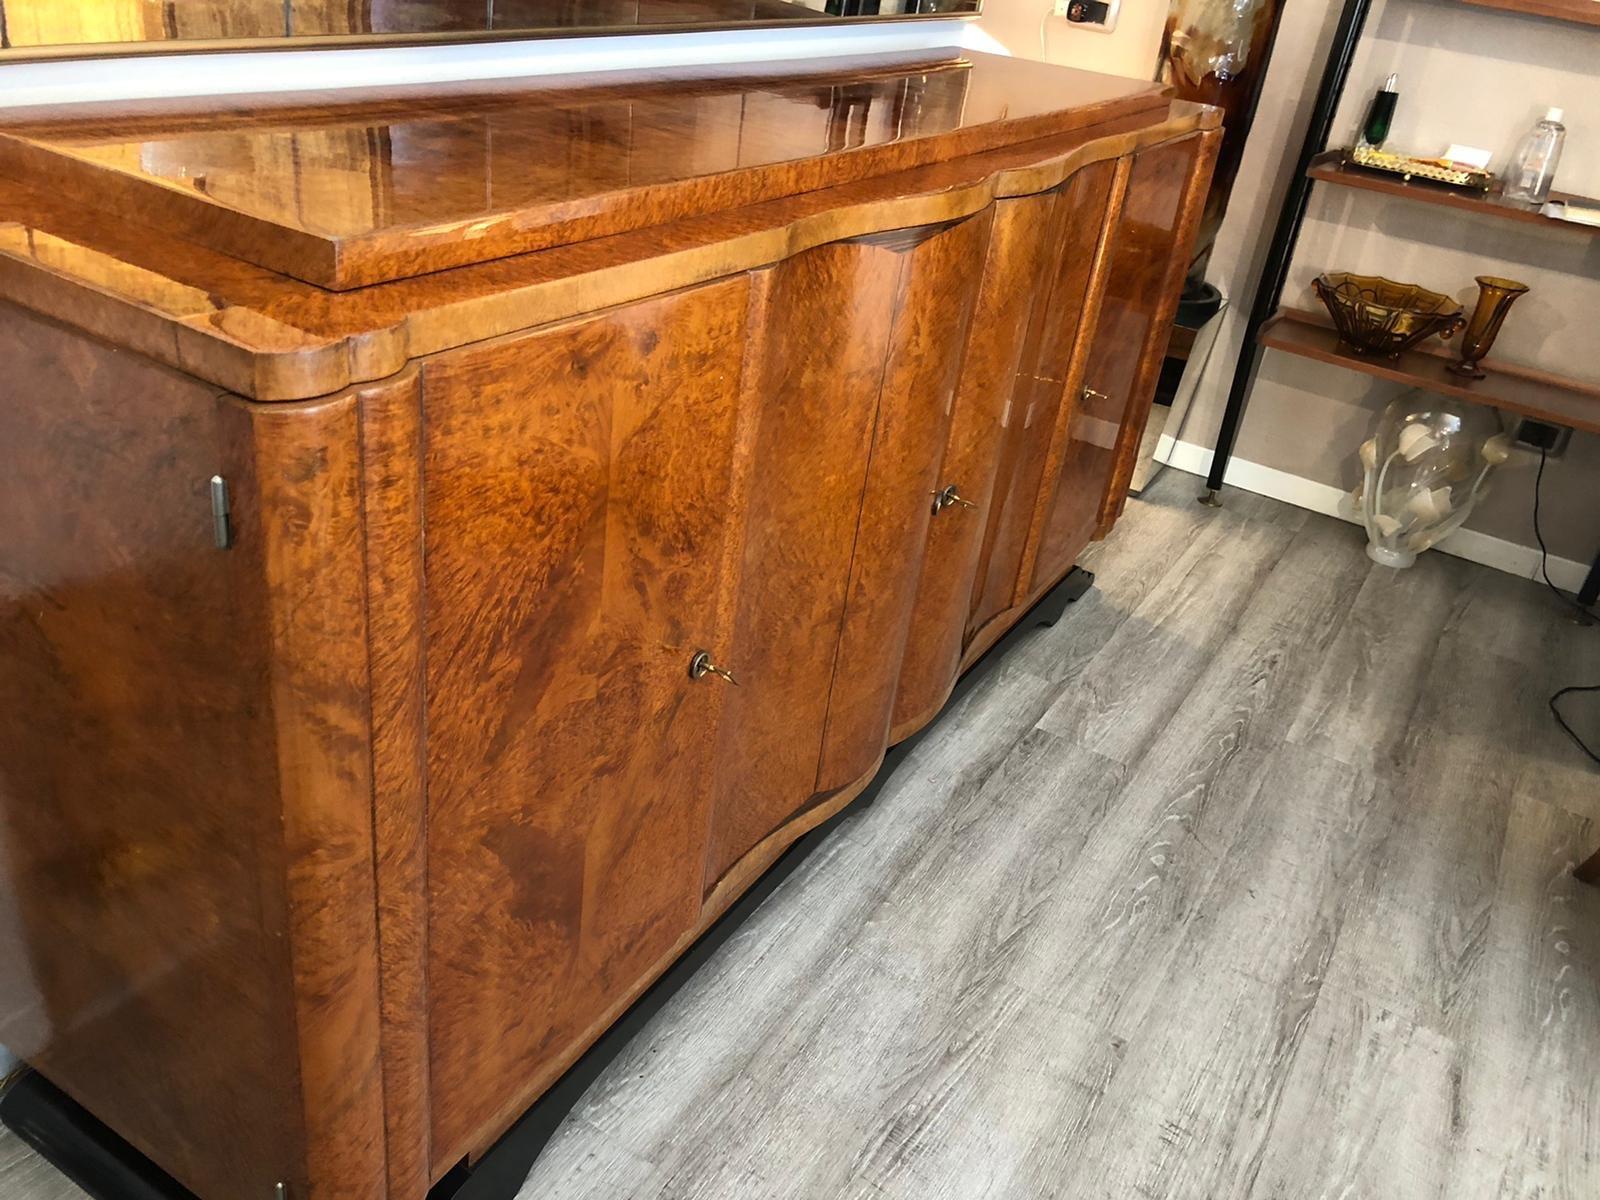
{"points": [[1381, 115]]}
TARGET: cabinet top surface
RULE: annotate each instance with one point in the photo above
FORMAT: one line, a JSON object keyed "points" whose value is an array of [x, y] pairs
{"points": [[267, 335], [349, 189]]}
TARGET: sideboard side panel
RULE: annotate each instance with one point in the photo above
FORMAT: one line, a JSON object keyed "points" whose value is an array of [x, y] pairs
{"points": [[143, 959]]}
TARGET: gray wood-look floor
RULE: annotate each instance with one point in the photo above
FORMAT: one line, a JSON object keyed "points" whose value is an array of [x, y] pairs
{"points": [[1248, 879]]}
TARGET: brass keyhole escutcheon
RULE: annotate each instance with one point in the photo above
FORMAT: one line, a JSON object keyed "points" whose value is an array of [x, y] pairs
{"points": [[949, 498], [701, 665]]}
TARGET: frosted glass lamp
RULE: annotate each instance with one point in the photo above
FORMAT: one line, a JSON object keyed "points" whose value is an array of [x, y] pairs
{"points": [[1423, 472]]}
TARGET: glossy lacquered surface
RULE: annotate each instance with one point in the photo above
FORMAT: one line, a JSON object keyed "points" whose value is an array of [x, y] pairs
{"points": [[356, 192], [440, 794]]}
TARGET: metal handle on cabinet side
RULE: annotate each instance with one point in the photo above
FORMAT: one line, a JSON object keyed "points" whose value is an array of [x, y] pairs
{"points": [[950, 497], [1090, 394], [221, 514], [701, 665]]}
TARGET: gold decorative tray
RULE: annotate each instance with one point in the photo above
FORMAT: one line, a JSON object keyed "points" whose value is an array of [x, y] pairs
{"points": [[1408, 168]]}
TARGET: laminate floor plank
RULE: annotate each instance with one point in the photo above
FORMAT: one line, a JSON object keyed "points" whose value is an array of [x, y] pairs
{"points": [[1128, 568], [1249, 878], [1144, 670], [1370, 679], [1210, 1045]]}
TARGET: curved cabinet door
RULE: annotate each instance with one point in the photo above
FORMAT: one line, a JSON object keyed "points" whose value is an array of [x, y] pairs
{"points": [[1105, 415], [939, 273], [819, 323], [854, 351], [575, 489], [1063, 304], [983, 405]]}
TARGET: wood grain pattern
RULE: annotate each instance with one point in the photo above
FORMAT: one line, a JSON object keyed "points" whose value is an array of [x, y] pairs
{"points": [[301, 505], [573, 561], [1107, 392], [41, 23], [983, 408], [498, 804], [1079, 216], [813, 389], [272, 338], [143, 855], [1199, 155], [444, 189], [390, 417], [937, 287]]}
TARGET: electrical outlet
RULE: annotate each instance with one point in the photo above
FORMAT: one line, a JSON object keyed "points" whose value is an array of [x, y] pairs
{"points": [[1097, 15], [1541, 435]]}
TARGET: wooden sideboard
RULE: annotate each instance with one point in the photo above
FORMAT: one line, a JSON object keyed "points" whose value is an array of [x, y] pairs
{"points": [[456, 540]]}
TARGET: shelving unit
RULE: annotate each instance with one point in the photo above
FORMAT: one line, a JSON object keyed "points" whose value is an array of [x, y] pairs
{"points": [[1561, 401], [1568, 402], [1330, 167], [1584, 12]]}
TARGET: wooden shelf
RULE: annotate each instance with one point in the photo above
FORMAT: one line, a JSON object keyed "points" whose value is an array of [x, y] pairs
{"points": [[1329, 167], [1561, 401], [1582, 12]]}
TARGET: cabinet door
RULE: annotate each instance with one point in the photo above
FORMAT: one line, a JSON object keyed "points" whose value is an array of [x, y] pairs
{"points": [[819, 325], [939, 272], [1062, 302], [576, 513], [1105, 416], [983, 407]]}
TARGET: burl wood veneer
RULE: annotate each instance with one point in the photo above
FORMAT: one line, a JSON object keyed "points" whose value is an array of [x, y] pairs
{"points": [[562, 591]]}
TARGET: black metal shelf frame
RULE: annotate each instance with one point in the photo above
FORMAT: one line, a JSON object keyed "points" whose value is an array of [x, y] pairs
{"points": [[1275, 270]]}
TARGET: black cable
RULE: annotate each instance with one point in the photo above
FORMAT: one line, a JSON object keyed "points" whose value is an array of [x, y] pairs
{"points": [[1544, 569], [1562, 721], [1544, 553]]}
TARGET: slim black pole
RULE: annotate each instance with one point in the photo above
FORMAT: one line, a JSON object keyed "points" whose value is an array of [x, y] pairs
{"points": [[1275, 272]]}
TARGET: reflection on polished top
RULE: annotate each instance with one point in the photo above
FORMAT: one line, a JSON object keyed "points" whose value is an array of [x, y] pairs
{"points": [[33, 25], [379, 186]]}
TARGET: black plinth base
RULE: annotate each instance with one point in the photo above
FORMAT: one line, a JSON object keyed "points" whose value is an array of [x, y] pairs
{"points": [[80, 1147], [106, 1167]]}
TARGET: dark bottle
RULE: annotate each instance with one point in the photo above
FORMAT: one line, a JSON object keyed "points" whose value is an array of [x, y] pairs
{"points": [[1381, 114]]}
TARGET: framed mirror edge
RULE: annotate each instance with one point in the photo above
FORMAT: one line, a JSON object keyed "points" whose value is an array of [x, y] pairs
{"points": [[17, 55]]}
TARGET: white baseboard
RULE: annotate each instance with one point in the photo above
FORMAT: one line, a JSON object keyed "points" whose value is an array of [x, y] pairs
{"points": [[1331, 502]]}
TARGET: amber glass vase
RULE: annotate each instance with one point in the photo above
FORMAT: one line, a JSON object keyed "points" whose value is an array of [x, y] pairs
{"points": [[1495, 297]]}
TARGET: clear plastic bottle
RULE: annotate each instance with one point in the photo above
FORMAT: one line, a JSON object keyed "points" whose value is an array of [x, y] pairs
{"points": [[1533, 168]]}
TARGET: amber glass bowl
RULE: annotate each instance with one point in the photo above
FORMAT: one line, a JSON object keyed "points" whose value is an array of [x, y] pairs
{"points": [[1381, 318]]}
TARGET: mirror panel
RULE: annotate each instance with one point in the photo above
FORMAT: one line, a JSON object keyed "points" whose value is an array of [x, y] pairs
{"points": [[40, 28]]}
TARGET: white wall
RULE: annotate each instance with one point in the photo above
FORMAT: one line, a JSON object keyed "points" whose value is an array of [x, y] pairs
{"points": [[1467, 75], [1128, 50]]}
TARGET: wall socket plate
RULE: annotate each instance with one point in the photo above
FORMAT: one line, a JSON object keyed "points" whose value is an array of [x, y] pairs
{"points": [[1098, 16], [1531, 434]]}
